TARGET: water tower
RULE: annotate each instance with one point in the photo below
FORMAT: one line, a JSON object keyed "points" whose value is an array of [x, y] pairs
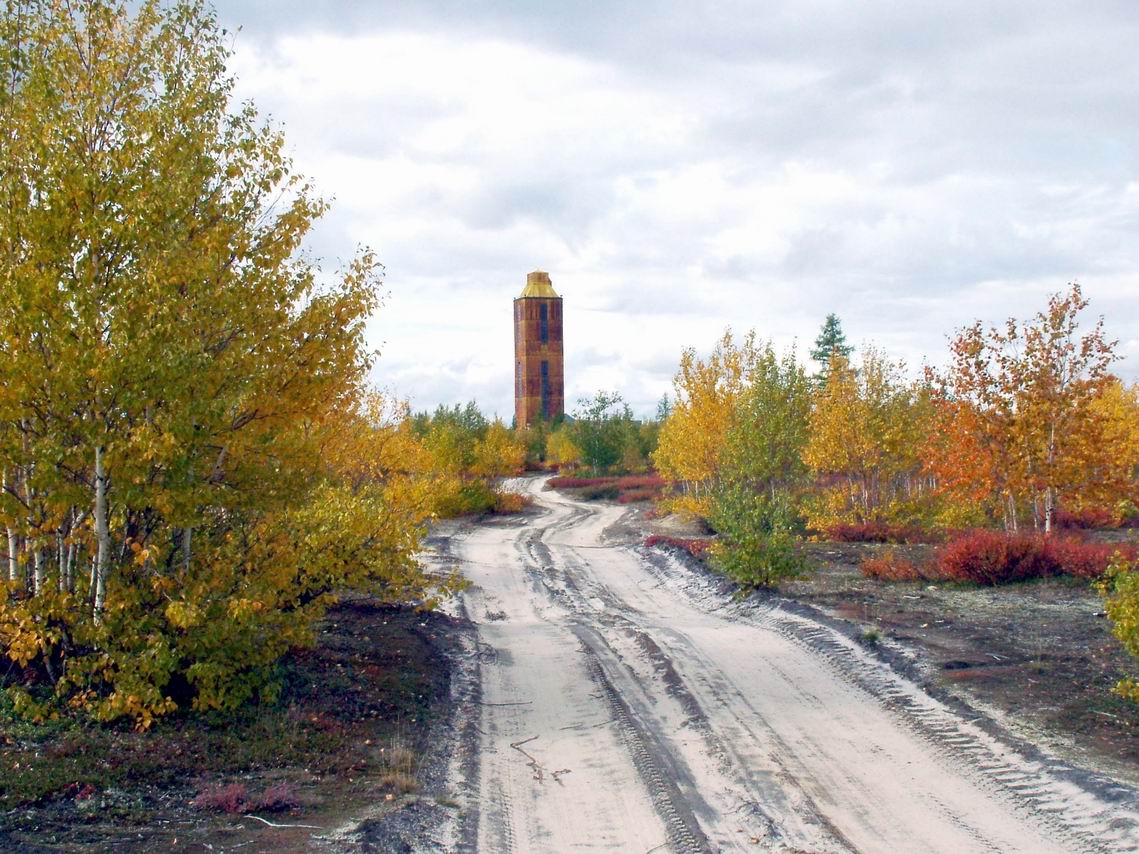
{"points": [[539, 381]]}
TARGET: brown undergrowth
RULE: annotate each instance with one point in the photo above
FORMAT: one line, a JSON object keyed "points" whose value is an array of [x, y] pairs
{"points": [[347, 730]]}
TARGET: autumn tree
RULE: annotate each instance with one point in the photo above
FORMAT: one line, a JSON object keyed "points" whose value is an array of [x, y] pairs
{"points": [[472, 454], [866, 431], [763, 447], [1017, 412], [180, 497], [1121, 588], [692, 440], [754, 506], [1111, 478], [561, 449], [499, 453]]}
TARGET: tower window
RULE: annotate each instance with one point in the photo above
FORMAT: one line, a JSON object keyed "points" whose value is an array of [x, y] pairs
{"points": [[545, 388], [543, 323]]}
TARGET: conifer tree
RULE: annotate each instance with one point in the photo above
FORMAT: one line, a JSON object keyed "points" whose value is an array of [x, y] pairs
{"points": [[830, 343]]}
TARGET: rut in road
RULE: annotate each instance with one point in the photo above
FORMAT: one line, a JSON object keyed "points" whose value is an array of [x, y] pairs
{"points": [[624, 703]]}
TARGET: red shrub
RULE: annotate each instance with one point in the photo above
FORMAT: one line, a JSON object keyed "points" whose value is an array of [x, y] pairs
{"points": [[878, 532], [277, 798], [634, 495], [577, 482], [1086, 560], [695, 546], [644, 481], [890, 567], [1086, 518], [993, 557], [647, 481], [233, 798]]}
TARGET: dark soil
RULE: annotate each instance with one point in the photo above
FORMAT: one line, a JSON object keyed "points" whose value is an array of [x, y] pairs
{"points": [[1041, 654], [365, 693]]}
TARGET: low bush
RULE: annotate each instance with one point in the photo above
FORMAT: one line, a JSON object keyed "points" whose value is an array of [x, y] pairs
{"points": [[277, 798], [233, 798], [506, 503], [635, 495], [470, 498], [994, 557], [625, 490], [600, 492], [695, 546], [878, 532], [1083, 559], [1120, 586], [1086, 518], [757, 546], [890, 566], [626, 482]]}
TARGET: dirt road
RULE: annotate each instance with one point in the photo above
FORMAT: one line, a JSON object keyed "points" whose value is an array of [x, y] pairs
{"points": [[624, 703]]}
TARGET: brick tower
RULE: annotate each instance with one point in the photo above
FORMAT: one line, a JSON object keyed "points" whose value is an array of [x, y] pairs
{"points": [[539, 382]]}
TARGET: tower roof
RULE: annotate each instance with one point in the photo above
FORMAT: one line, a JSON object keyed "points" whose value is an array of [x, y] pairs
{"points": [[538, 285]]}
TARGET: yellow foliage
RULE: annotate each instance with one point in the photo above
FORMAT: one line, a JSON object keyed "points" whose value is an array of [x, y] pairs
{"points": [[190, 392], [561, 450], [498, 453], [693, 437], [867, 429], [1121, 587]]}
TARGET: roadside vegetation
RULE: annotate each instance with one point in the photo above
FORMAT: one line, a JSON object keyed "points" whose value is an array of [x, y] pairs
{"points": [[195, 477], [1010, 461]]}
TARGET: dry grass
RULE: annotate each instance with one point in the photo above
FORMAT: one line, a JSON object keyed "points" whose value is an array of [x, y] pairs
{"points": [[400, 767]]}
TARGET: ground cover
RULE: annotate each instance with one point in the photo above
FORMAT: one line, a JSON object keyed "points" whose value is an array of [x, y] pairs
{"points": [[624, 489], [347, 734], [1040, 654]]}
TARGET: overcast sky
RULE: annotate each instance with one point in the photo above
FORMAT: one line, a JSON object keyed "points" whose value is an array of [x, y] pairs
{"points": [[679, 167]]}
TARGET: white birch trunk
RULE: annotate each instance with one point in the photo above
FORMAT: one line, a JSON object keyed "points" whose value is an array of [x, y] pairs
{"points": [[61, 561], [38, 574], [13, 559], [102, 535], [69, 568]]}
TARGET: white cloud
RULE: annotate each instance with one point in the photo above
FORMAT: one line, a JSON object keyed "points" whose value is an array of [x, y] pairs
{"points": [[677, 173]]}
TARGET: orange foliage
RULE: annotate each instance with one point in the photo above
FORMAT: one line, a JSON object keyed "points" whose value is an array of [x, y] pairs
{"points": [[1022, 416]]}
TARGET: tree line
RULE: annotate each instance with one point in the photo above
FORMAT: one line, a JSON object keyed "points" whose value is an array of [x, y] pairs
{"points": [[1024, 422]]}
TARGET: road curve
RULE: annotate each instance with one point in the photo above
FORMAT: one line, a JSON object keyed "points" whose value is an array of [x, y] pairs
{"points": [[624, 704]]}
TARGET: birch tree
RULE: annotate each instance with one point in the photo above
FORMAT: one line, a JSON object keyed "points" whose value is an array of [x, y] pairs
{"points": [[173, 373], [1016, 411]]}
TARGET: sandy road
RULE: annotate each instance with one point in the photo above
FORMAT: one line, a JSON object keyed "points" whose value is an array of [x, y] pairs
{"points": [[624, 704]]}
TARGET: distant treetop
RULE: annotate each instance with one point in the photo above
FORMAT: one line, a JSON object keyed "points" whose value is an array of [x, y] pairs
{"points": [[831, 341], [830, 344]]}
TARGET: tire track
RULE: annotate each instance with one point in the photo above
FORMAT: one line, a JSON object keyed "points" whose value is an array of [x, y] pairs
{"points": [[655, 765], [1103, 820]]}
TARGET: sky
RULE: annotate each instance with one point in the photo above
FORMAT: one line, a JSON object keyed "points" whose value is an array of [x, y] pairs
{"points": [[680, 167]]}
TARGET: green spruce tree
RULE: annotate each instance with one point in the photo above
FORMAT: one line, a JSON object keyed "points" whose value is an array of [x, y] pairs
{"points": [[831, 342]]}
